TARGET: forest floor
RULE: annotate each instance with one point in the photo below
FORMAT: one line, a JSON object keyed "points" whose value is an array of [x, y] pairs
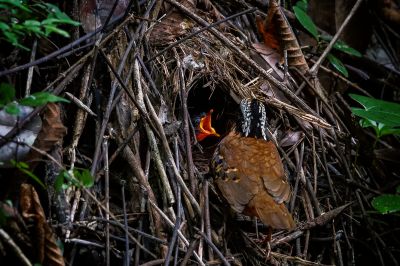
{"points": [[112, 173]]}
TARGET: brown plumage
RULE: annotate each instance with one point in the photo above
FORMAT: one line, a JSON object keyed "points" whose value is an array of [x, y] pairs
{"points": [[249, 174]]}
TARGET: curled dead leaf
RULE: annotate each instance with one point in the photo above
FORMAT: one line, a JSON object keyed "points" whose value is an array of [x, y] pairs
{"points": [[51, 133], [278, 34], [47, 251], [291, 138]]}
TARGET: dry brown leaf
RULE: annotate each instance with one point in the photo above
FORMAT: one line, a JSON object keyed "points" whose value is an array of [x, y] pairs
{"points": [[291, 138], [324, 218], [271, 56], [52, 132], [173, 25], [93, 14], [268, 30], [48, 253], [276, 31]]}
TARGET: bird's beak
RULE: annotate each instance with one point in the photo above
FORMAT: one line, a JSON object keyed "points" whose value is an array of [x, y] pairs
{"points": [[205, 129]]}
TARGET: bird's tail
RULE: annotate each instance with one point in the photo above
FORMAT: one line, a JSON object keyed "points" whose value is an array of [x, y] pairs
{"points": [[270, 213]]}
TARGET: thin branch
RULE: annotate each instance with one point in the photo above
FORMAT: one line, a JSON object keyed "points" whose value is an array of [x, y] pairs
{"points": [[314, 69]]}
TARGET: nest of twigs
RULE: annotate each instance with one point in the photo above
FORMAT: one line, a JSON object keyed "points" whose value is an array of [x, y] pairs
{"points": [[153, 200]]}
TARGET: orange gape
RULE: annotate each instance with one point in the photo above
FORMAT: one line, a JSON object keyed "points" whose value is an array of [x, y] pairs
{"points": [[204, 128], [249, 174]]}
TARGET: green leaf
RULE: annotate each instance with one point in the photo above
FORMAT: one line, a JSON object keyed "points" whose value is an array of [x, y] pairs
{"points": [[302, 4], [17, 3], [384, 112], [364, 122], [11, 37], [398, 189], [347, 49], [341, 46], [388, 203], [388, 131], [41, 98], [86, 178], [51, 28], [370, 123], [55, 12], [7, 93], [4, 26], [12, 109], [59, 182], [306, 21], [336, 63], [33, 26]]}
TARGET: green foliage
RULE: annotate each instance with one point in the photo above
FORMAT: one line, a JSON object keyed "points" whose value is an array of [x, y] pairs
{"points": [[24, 167], [382, 116], [78, 177], [300, 10], [387, 203], [380, 111], [12, 109], [7, 95], [341, 46], [31, 19], [302, 4], [41, 98], [336, 63], [306, 21]]}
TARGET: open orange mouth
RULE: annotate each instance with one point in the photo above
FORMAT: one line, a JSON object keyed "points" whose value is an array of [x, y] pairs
{"points": [[205, 128]]}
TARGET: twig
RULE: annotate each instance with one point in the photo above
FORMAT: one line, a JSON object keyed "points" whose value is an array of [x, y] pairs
{"points": [[189, 252], [171, 224], [30, 70], [211, 244], [127, 257], [314, 69], [155, 262], [170, 157], [176, 227], [7, 239], [188, 146], [80, 104], [207, 222], [84, 242], [140, 233], [280, 85], [109, 102], [64, 49], [70, 75], [297, 259], [107, 198], [169, 47], [64, 78]]}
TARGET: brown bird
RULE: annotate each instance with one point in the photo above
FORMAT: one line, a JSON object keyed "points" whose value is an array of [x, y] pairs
{"points": [[248, 171]]}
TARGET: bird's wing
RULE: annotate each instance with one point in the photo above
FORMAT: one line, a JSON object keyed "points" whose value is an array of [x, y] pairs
{"points": [[228, 162], [256, 160], [271, 170]]}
